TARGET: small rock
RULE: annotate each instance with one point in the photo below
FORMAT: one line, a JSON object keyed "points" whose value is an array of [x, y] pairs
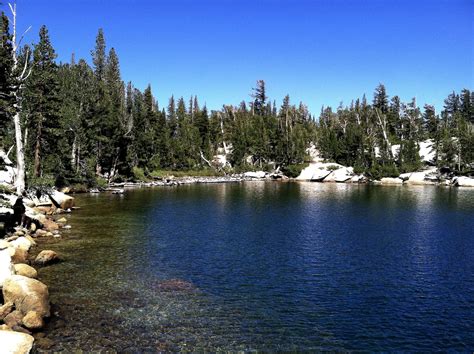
{"points": [[33, 320], [33, 227], [13, 319], [67, 227], [5, 309], [50, 225], [18, 328], [62, 220], [44, 343], [49, 234], [15, 342], [40, 233], [46, 257], [29, 238], [4, 327], [26, 270]]}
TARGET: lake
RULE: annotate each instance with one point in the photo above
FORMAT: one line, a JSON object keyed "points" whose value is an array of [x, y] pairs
{"points": [[267, 266]]}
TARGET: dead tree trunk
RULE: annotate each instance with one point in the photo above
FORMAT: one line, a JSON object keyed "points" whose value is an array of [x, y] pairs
{"points": [[20, 154]]}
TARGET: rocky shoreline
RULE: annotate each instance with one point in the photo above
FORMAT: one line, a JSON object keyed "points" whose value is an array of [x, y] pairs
{"points": [[25, 306]]}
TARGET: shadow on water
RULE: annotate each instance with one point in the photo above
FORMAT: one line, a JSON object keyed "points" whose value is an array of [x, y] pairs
{"points": [[266, 266]]}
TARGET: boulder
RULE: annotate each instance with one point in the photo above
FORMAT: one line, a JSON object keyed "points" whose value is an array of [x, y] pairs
{"points": [[257, 174], [18, 255], [318, 171], [33, 320], [358, 179], [25, 270], [50, 225], [390, 180], [6, 266], [5, 309], [23, 243], [342, 174], [15, 342], [423, 177], [463, 182], [27, 294], [46, 257], [65, 201]]}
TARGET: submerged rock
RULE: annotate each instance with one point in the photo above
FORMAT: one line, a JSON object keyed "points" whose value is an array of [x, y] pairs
{"points": [[46, 257], [27, 294], [15, 342], [62, 220], [175, 285]]}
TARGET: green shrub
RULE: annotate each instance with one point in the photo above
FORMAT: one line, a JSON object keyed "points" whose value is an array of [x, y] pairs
{"points": [[293, 171], [139, 174], [101, 182]]}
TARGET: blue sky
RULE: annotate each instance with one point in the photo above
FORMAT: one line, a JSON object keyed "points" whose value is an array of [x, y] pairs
{"points": [[319, 52]]}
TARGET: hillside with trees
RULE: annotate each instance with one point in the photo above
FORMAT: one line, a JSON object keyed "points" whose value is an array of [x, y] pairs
{"points": [[77, 122]]}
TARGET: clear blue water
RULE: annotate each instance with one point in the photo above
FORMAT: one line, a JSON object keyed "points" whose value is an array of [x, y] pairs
{"points": [[267, 266]]}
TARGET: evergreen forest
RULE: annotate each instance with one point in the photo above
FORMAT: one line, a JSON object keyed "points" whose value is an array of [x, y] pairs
{"points": [[79, 122]]}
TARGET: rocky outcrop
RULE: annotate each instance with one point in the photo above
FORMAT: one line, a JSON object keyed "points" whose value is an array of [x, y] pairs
{"points": [[27, 295], [15, 342], [463, 182], [46, 257], [326, 172]]}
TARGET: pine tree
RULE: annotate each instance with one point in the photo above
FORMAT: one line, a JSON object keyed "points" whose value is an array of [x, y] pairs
{"points": [[43, 104], [260, 98], [7, 98], [381, 99]]}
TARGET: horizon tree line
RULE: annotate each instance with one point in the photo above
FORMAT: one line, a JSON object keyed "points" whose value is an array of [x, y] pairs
{"points": [[75, 122]]}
